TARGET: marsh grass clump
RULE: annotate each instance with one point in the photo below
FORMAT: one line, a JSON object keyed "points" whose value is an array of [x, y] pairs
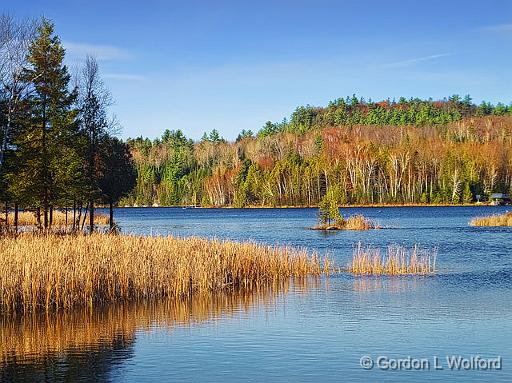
{"points": [[28, 218], [354, 222], [45, 272], [493, 220], [358, 222], [398, 260]]}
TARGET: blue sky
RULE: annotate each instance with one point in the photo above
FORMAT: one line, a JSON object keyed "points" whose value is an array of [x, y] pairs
{"points": [[232, 65]]}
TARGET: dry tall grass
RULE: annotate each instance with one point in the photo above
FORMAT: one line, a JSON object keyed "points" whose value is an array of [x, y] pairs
{"points": [[354, 222], [493, 220], [43, 272], [358, 222], [27, 218], [397, 261]]}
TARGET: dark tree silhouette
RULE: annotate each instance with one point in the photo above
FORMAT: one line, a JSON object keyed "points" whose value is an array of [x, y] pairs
{"points": [[118, 174], [94, 100]]}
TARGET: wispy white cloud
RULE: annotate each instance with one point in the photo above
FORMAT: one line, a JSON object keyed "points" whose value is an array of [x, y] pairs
{"points": [[502, 28], [101, 52], [124, 76], [410, 62]]}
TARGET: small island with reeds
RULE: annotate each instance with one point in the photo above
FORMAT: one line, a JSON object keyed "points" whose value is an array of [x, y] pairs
{"points": [[493, 220], [355, 222], [330, 218]]}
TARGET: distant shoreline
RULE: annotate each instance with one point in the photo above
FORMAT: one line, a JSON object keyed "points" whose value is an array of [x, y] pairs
{"points": [[308, 207]]}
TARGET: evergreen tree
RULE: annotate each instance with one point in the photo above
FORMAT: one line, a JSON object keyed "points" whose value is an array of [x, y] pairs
{"points": [[215, 136], [244, 134], [46, 146], [467, 196], [118, 174], [328, 209]]}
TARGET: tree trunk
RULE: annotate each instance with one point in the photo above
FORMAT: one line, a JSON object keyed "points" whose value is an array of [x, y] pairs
{"points": [[74, 215], [45, 179], [111, 220], [6, 215], [45, 213], [85, 217], [38, 217], [16, 217], [51, 216], [79, 218], [91, 216]]}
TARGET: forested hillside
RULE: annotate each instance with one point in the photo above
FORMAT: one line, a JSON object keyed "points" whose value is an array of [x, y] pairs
{"points": [[410, 151]]}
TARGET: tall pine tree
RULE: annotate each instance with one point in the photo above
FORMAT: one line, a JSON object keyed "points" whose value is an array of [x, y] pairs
{"points": [[49, 163]]}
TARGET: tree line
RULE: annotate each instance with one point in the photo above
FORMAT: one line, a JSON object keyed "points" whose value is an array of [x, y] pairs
{"points": [[357, 111], [455, 162], [58, 145]]}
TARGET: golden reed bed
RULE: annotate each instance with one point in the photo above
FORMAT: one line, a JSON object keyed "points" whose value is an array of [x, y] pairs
{"points": [[28, 218], [45, 272], [493, 220], [397, 261]]}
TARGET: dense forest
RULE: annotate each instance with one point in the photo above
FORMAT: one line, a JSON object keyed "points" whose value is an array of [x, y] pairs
{"points": [[413, 151], [57, 143], [58, 146]]}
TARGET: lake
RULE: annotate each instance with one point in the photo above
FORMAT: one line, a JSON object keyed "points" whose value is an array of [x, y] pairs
{"points": [[314, 330]]}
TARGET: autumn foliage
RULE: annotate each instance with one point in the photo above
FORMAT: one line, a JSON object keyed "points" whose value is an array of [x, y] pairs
{"points": [[449, 163]]}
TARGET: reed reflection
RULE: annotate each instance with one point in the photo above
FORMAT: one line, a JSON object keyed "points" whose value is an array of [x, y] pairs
{"points": [[87, 345]]}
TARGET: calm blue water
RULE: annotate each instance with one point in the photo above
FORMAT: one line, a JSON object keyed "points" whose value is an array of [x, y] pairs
{"points": [[318, 333]]}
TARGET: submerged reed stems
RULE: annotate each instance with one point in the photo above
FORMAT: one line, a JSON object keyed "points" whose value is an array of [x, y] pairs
{"points": [[45, 272], [397, 261]]}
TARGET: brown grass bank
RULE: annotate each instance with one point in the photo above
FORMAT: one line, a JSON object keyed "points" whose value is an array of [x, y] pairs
{"points": [[28, 218], [45, 272], [493, 220]]}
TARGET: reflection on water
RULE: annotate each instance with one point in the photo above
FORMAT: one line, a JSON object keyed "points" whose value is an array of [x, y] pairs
{"points": [[68, 346], [392, 284], [298, 331]]}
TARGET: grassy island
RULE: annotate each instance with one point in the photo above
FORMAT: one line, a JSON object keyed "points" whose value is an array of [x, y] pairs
{"points": [[355, 222], [493, 220], [330, 218]]}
